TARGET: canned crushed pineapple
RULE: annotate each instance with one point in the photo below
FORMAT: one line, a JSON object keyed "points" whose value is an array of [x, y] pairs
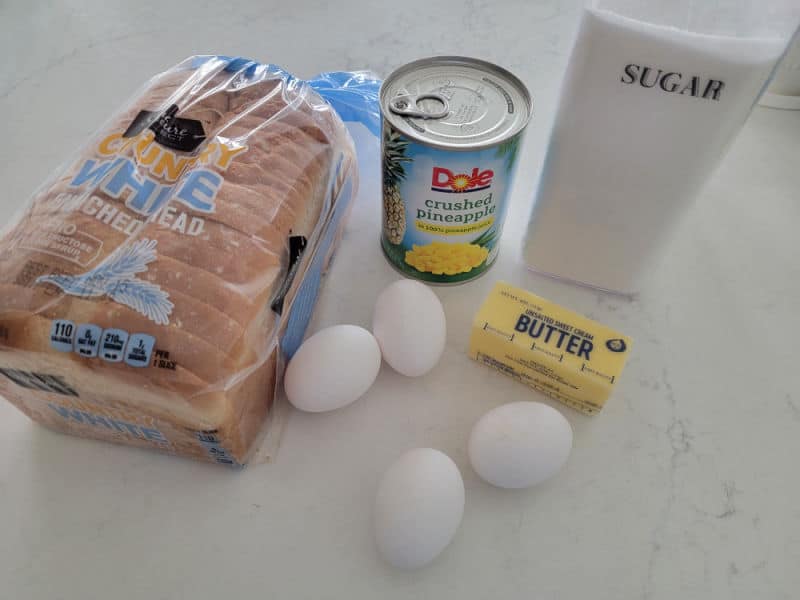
{"points": [[451, 133]]}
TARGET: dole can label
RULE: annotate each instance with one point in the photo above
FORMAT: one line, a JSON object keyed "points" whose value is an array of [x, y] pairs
{"points": [[443, 209]]}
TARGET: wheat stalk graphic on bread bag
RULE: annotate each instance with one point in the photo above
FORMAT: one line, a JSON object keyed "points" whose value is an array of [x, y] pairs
{"points": [[116, 278]]}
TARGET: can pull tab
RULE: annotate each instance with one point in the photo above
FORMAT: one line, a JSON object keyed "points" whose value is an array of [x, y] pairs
{"points": [[408, 106]]}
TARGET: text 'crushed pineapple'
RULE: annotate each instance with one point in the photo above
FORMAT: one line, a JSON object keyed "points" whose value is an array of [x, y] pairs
{"points": [[446, 259]]}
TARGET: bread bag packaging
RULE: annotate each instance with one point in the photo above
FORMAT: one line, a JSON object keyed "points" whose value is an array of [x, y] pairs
{"points": [[152, 289]]}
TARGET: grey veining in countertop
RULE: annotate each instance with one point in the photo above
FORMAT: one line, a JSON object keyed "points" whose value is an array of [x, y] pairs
{"points": [[685, 486]]}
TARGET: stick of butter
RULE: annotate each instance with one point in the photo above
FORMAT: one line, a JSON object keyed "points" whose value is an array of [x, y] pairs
{"points": [[553, 350]]}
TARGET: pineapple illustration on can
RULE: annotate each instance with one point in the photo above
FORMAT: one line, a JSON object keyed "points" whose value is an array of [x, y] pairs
{"points": [[452, 128]]}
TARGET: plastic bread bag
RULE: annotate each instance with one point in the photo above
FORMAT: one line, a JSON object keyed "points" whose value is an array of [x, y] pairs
{"points": [[153, 287]]}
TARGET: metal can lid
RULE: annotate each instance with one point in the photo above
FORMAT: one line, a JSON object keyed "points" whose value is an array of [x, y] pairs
{"points": [[455, 102]]}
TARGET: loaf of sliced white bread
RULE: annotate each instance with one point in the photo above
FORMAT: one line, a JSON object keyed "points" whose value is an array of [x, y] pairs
{"points": [[199, 273]]}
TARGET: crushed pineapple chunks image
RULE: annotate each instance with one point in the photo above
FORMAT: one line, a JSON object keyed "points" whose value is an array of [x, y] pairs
{"points": [[446, 259]]}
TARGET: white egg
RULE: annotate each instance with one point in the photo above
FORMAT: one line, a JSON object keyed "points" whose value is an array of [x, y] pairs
{"points": [[418, 507], [520, 444], [332, 368], [410, 327]]}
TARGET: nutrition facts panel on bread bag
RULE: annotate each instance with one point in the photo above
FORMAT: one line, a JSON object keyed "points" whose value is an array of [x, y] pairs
{"points": [[111, 345]]}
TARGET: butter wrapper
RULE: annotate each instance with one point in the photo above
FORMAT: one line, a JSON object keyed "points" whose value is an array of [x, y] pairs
{"points": [[552, 349]]}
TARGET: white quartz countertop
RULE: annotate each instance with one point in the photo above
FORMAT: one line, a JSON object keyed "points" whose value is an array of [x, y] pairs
{"points": [[684, 487]]}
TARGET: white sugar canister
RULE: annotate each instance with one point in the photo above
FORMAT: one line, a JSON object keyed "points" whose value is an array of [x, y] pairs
{"points": [[653, 95]]}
